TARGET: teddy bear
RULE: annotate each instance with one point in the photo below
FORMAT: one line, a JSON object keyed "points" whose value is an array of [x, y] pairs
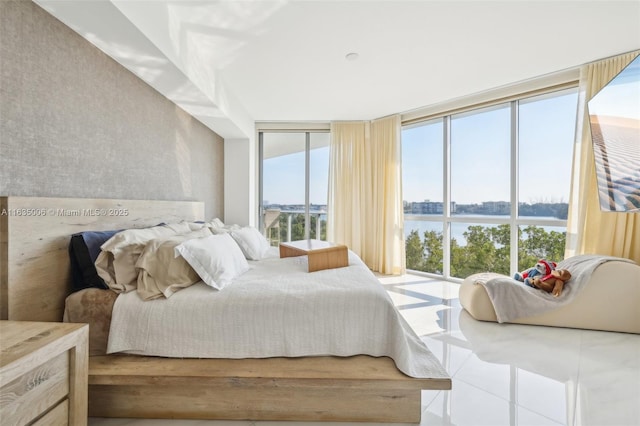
{"points": [[542, 268], [552, 283]]}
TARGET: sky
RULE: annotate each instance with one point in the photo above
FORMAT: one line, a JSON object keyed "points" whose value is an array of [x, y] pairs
{"points": [[284, 178], [480, 153]]}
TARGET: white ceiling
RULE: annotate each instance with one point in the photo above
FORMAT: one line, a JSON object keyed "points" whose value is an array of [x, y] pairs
{"points": [[230, 63]]}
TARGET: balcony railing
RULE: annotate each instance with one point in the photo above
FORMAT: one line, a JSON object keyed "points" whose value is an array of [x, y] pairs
{"points": [[281, 226]]}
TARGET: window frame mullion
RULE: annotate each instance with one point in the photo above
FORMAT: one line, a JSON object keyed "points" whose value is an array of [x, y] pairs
{"points": [[307, 174], [514, 190], [446, 196]]}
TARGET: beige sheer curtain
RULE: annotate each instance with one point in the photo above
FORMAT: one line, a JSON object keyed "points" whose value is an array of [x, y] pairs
{"points": [[348, 188], [365, 209], [590, 230]]}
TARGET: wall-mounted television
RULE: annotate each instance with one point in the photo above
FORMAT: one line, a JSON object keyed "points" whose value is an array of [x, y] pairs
{"points": [[614, 115]]}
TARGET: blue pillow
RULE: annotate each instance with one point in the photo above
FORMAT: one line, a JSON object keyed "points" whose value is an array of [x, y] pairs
{"points": [[84, 249]]}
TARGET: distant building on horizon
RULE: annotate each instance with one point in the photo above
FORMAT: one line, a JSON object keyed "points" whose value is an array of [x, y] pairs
{"points": [[496, 207], [428, 207]]}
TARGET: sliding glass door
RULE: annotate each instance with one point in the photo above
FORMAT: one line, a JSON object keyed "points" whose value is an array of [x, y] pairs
{"points": [[294, 169]]}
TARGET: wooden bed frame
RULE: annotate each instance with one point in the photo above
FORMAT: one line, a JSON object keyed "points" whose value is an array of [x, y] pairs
{"points": [[35, 280]]}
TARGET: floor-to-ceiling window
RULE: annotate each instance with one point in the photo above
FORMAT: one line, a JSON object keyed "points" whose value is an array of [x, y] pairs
{"points": [[487, 189], [294, 170]]}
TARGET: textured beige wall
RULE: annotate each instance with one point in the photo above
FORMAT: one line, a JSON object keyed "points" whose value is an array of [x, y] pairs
{"points": [[74, 123]]}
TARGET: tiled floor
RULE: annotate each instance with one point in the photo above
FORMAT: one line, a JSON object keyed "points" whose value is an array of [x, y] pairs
{"points": [[503, 374]]}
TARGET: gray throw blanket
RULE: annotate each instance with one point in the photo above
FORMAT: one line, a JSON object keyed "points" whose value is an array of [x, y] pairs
{"points": [[513, 299]]}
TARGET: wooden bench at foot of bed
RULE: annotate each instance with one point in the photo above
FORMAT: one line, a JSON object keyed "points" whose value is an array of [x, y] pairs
{"points": [[359, 388]]}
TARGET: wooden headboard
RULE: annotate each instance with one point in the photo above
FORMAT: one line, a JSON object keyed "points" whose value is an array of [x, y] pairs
{"points": [[35, 273]]}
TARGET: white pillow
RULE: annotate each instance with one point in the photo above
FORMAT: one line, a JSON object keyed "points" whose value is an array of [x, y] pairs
{"points": [[196, 226], [214, 223], [217, 223], [217, 259], [253, 244], [223, 229]]}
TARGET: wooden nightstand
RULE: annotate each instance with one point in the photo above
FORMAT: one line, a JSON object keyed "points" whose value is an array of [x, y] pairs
{"points": [[43, 373], [321, 254]]}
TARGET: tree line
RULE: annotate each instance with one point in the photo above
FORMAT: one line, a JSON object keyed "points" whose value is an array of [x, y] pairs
{"points": [[487, 249]]}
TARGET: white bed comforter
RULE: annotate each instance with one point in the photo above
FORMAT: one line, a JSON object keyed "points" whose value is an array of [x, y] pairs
{"points": [[275, 309]]}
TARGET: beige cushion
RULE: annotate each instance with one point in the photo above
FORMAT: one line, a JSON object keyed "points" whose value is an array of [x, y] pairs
{"points": [[92, 306], [160, 272], [116, 263]]}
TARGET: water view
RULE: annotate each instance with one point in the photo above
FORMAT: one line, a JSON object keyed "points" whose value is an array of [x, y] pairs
{"points": [[458, 229]]}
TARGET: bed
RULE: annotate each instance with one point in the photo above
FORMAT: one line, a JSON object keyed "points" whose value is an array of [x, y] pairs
{"points": [[35, 283], [606, 297]]}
